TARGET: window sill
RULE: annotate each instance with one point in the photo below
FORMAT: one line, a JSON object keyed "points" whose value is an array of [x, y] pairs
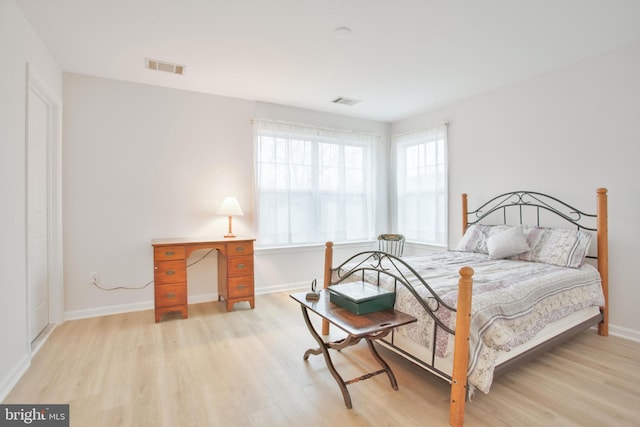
{"points": [[309, 247], [422, 245]]}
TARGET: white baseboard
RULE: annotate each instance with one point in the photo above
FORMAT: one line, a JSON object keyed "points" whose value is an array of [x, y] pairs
{"points": [[128, 308], [196, 299], [627, 333], [106, 311], [14, 376], [285, 287]]}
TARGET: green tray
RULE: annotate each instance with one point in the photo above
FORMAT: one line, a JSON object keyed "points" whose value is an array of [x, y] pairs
{"points": [[361, 297]]}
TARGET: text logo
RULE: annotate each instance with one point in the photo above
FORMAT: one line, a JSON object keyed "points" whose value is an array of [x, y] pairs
{"points": [[34, 415]]}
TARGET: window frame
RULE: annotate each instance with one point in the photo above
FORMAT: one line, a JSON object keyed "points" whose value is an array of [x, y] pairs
{"points": [[438, 234], [335, 198]]}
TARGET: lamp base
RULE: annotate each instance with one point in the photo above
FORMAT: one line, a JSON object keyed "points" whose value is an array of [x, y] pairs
{"points": [[230, 234]]}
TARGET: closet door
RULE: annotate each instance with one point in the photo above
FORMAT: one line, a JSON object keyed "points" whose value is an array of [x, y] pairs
{"points": [[39, 132]]}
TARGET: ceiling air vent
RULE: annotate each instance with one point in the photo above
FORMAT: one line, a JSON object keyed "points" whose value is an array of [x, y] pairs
{"points": [[345, 101], [154, 64]]}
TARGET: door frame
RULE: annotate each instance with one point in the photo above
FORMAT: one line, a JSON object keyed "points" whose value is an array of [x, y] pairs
{"points": [[34, 83]]}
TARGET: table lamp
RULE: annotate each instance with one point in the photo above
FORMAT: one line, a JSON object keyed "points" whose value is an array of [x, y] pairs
{"points": [[230, 207]]}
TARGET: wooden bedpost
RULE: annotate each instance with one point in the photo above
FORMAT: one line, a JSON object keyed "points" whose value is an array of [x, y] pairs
{"points": [[328, 262], [464, 213], [603, 258], [461, 351]]}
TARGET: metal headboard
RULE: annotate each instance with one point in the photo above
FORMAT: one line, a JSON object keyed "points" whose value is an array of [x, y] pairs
{"points": [[520, 200]]}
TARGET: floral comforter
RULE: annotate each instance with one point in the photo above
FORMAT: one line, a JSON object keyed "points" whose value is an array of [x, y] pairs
{"points": [[512, 302]]}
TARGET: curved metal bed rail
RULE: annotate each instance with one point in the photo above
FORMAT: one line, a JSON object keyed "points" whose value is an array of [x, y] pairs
{"points": [[531, 199], [383, 263]]}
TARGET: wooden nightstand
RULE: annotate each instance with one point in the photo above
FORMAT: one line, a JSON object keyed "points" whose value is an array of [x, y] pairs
{"points": [[235, 272]]}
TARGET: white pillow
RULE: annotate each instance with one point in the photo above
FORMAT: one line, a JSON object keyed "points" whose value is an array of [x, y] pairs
{"points": [[476, 236], [507, 243], [565, 247]]}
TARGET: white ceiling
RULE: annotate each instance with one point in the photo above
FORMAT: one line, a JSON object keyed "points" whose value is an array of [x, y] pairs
{"points": [[403, 57]]}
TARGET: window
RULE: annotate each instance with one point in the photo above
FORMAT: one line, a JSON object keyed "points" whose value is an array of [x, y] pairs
{"points": [[313, 184], [421, 185]]}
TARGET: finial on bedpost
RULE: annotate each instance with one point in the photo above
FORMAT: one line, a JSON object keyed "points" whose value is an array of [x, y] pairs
{"points": [[328, 262], [461, 348], [464, 212], [466, 273], [603, 258]]}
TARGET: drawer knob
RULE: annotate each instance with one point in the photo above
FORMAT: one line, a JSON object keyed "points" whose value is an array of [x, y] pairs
{"points": [[241, 286], [240, 266], [169, 253], [240, 249], [171, 295], [170, 272]]}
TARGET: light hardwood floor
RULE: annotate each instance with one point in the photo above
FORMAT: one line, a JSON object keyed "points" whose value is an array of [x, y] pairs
{"points": [[245, 368]]}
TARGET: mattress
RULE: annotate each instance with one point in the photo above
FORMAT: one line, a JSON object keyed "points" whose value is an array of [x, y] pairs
{"points": [[513, 302]]}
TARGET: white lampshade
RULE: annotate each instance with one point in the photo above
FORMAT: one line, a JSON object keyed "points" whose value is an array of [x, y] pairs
{"points": [[230, 207]]}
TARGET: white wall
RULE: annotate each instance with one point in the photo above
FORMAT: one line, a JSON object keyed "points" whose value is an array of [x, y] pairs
{"points": [[565, 133], [144, 162], [19, 45]]}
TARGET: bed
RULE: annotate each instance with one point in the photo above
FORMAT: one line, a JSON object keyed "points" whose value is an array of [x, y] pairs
{"points": [[529, 272]]}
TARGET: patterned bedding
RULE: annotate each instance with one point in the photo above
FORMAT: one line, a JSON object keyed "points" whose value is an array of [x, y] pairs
{"points": [[512, 301]]}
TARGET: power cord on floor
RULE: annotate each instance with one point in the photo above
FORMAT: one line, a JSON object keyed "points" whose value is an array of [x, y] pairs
{"points": [[95, 282]]}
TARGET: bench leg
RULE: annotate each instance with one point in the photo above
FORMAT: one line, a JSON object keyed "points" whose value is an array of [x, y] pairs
{"points": [[324, 349], [387, 369]]}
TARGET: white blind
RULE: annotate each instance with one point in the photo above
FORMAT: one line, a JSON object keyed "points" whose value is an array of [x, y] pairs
{"points": [[313, 184], [421, 178]]}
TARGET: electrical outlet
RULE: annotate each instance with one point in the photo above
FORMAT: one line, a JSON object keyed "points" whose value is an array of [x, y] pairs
{"points": [[93, 278]]}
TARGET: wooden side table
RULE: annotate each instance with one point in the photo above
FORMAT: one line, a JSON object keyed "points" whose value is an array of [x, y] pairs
{"points": [[371, 327], [235, 272]]}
